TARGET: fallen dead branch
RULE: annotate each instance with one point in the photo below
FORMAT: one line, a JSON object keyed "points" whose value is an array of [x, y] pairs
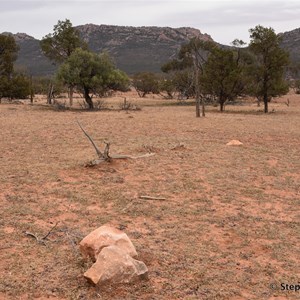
{"points": [[105, 156], [120, 156], [102, 156], [179, 146], [152, 198], [96, 162]]}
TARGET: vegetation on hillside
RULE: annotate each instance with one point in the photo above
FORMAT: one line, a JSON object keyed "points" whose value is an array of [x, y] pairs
{"points": [[12, 84], [146, 83], [224, 74], [203, 69], [267, 72]]}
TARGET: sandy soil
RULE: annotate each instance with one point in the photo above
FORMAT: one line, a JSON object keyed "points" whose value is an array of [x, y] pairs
{"points": [[228, 229]]}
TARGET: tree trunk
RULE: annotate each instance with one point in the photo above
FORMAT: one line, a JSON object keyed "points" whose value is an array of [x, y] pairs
{"points": [[88, 98], [71, 91], [266, 103], [266, 109], [222, 106], [196, 70], [31, 90], [203, 107], [50, 94], [258, 101], [197, 108], [265, 91], [222, 102]]}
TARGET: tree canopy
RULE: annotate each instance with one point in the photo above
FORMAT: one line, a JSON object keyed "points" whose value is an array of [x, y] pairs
{"points": [[146, 83], [224, 73], [92, 73], [60, 44], [12, 84], [268, 69], [8, 54], [213, 71]]}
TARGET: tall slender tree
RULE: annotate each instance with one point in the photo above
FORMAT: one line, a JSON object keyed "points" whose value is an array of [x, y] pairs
{"points": [[12, 84], [8, 54], [271, 61], [224, 72], [193, 56], [60, 44]]}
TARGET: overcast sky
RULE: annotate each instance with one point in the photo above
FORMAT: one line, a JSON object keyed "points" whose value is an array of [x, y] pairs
{"points": [[224, 20]]}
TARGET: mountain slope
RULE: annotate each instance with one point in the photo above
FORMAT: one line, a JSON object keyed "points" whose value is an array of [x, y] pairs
{"points": [[30, 56], [291, 43], [138, 49], [134, 49]]}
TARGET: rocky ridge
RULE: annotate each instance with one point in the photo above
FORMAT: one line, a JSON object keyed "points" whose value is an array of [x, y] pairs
{"points": [[134, 49], [138, 49], [291, 43]]}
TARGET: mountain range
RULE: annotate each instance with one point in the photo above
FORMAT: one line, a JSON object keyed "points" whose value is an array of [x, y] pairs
{"points": [[134, 49]]}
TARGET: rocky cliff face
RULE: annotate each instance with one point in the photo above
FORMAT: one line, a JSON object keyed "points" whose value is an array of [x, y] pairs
{"points": [[121, 34], [138, 49], [291, 43], [20, 37], [134, 49]]}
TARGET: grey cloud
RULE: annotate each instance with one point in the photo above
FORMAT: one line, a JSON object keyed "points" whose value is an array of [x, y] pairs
{"points": [[16, 6], [232, 19], [221, 19], [242, 13]]}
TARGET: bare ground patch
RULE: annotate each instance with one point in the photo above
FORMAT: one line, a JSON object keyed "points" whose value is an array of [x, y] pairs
{"points": [[229, 226]]}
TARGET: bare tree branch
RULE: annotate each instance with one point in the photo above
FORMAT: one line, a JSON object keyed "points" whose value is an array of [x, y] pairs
{"points": [[99, 153]]}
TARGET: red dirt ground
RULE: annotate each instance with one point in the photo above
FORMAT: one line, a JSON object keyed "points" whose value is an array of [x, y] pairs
{"points": [[228, 229]]}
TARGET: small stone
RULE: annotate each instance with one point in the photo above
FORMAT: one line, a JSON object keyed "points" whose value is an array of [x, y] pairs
{"points": [[113, 266], [234, 143], [105, 236]]}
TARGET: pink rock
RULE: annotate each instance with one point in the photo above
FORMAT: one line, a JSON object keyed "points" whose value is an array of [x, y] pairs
{"points": [[103, 237], [234, 143], [114, 265]]}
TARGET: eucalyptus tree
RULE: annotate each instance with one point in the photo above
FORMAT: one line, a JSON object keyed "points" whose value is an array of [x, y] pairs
{"points": [[92, 73]]}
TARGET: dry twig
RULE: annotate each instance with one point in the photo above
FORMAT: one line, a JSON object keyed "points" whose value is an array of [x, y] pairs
{"points": [[45, 237], [41, 240], [152, 198], [36, 237]]}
